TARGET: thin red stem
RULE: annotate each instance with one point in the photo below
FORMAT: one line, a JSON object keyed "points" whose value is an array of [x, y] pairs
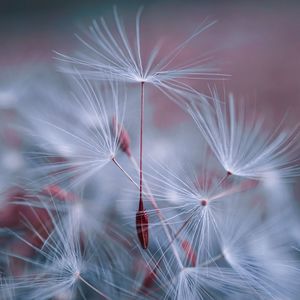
{"points": [[221, 181], [166, 227], [123, 170], [141, 206]]}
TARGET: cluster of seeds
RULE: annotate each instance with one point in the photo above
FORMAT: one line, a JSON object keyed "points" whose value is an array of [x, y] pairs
{"points": [[99, 202]]}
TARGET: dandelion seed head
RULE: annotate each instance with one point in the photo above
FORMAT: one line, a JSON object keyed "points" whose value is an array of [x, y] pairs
{"points": [[78, 129], [242, 146], [111, 50]]}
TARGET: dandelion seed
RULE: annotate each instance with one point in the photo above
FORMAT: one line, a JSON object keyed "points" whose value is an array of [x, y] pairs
{"points": [[64, 262], [257, 251], [198, 204], [189, 282], [80, 131], [242, 145], [110, 51]]}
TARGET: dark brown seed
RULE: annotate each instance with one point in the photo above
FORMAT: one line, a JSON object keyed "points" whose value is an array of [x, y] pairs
{"points": [[123, 138], [190, 253], [142, 227], [204, 202]]}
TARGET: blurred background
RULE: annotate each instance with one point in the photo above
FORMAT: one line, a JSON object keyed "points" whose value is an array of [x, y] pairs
{"points": [[257, 42]]}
